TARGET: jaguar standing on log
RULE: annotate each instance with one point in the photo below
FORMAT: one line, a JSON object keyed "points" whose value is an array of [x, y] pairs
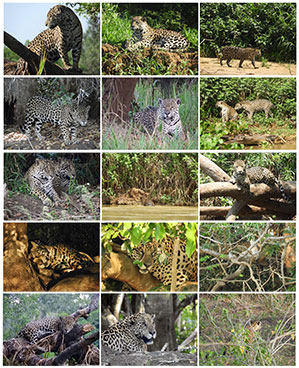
{"points": [[132, 334], [64, 34], [166, 115], [40, 110], [157, 39], [231, 52]]}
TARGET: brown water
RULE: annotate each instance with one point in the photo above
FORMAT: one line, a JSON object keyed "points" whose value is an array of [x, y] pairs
{"points": [[150, 213]]}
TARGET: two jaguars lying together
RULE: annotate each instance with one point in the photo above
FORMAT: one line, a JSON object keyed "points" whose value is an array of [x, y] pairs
{"points": [[48, 179]]}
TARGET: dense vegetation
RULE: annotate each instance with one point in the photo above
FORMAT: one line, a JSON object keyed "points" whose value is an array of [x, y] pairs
{"points": [[170, 177], [225, 338], [273, 270], [176, 17], [130, 235], [133, 234], [280, 91], [270, 27], [116, 30], [16, 165], [19, 309]]}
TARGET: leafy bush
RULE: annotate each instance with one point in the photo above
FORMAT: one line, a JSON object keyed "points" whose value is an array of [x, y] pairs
{"points": [[268, 26]]}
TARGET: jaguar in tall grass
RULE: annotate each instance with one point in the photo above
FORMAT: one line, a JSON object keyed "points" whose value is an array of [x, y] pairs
{"points": [[41, 110], [166, 115]]}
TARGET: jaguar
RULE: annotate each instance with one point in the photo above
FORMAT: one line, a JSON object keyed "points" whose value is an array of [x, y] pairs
{"points": [[243, 177], [40, 110], [227, 112], [50, 259], [36, 330], [231, 52], [64, 33], [166, 115], [132, 334], [256, 105], [156, 258], [146, 36], [48, 179]]}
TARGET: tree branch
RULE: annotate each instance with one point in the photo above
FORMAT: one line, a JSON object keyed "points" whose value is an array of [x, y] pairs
{"points": [[120, 267], [33, 59]]}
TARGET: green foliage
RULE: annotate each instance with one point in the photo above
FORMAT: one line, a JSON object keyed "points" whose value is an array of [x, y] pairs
{"points": [[170, 174], [283, 165], [187, 325], [16, 165], [90, 56], [116, 30], [268, 26], [19, 309], [223, 320], [10, 55], [115, 26], [133, 234], [116, 20], [280, 91], [89, 10]]}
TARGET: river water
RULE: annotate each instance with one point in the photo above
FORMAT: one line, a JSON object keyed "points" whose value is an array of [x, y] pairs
{"points": [[149, 213]]}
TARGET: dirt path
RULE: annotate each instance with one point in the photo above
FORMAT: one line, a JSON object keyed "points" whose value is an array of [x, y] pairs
{"points": [[211, 66]]}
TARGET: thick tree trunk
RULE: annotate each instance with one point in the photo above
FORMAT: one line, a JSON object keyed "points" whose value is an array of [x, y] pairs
{"points": [[118, 94]]}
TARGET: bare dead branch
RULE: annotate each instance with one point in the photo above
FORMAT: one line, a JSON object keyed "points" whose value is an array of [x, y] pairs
{"points": [[212, 170]]}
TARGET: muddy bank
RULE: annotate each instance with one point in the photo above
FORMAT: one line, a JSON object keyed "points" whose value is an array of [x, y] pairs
{"points": [[211, 66]]}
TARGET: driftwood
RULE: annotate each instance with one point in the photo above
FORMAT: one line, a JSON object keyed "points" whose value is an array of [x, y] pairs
{"points": [[251, 140], [260, 195], [73, 346], [31, 58]]}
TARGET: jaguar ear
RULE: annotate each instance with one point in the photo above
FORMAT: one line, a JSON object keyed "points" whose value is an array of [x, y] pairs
{"points": [[160, 101], [178, 101], [34, 245], [153, 317], [143, 19]]}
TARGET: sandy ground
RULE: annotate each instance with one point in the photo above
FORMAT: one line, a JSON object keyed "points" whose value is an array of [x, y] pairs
{"points": [[211, 66]]}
